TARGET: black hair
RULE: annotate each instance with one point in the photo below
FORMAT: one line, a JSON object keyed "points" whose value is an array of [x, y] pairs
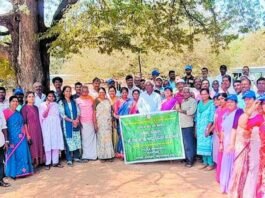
{"points": [[207, 90], [128, 77], [3, 89], [102, 88], [112, 87], [223, 67], [12, 97], [57, 78], [125, 88], [96, 79], [51, 92], [78, 83], [171, 71], [142, 80], [27, 94], [228, 77], [246, 67], [136, 90], [260, 79], [224, 95], [246, 78], [205, 68], [236, 81], [64, 88], [157, 91]]}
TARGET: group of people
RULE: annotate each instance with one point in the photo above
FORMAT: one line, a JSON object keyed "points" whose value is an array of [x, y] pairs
{"points": [[221, 121]]}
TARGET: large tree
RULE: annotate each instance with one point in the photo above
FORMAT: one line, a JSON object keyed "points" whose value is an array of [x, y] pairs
{"points": [[28, 55]]}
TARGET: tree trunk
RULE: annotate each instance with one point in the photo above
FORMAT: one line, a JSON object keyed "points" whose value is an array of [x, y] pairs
{"points": [[30, 69]]}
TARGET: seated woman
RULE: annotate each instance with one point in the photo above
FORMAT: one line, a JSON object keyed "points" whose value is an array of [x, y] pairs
{"points": [[18, 158]]}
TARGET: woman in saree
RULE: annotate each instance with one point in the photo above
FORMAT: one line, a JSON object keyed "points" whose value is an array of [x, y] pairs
{"points": [[218, 119], [136, 97], [226, 141], [121, 107], [103, 126], [113, 98], [18, 159], [204, 120], [70, 113], [30, 114], [170, 102]]}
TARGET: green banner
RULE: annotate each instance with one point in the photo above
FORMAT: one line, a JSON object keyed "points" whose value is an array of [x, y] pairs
{"points": [[153, 137]]}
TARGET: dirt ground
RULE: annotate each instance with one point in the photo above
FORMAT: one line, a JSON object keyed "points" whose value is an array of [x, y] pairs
{"points": [[115, 179]]}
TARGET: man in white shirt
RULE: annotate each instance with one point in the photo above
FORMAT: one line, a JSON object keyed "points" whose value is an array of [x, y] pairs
{"points": [[39, 96], [96, 85], [3, 147], [4, 104], [130, 85], [226, 85], [151, 99], [260, 87], [223, 71], [245, 72]]}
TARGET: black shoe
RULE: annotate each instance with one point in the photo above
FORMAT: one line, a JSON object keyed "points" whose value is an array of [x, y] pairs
{"points": [[58, 165], [47, 167], [84, 160], [4, 184]]}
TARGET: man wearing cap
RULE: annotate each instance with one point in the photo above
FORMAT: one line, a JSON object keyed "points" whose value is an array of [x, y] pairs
{"points": [[189, 78], [4, 104], [159, 86], [155, 73], [39, 96], [180, 86], [19, 93], [151, 100], [187, 111]]}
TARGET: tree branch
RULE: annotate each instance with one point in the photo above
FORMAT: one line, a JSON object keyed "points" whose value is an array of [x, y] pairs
{"points": [[61, 9]]}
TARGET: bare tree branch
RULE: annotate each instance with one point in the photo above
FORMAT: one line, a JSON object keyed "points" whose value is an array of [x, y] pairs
{"points": [[61, 9]]}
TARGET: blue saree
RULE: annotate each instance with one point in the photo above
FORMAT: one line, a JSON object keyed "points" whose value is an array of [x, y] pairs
{"points": [[18, 159]]}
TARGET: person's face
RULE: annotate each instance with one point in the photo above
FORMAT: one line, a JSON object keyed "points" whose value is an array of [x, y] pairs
{"points": [[136, 95], [172, 76], [205, 84], [84, 91], [149, 87], [168, 93], [237, 87], [50, 97], [57, 84], [159, 83], [165, 83], [222, 101], [204, 95], [30, 98], [101, 94], [245, 85], [188, 72], [124, 94], [231, 105], [204, 73], [2, 95], [20, 98], [112, 92], [215, 85], [68, 92], [249, 102], [261, 86], [137, 81], [143, 85], [38, 89], [245, 71], [180, 86], [186, 94], [226, 82], [129, 82], [14, 103], [222, 71], [78, 89], [216, 102], [198, 83], [96, 85]]}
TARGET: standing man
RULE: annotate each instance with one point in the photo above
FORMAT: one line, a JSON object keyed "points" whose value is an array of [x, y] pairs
{"points": [[155, 73], [189, 78], [223, 70], [4, 104], [130, 85], [39, 96], [245, 72], [159, 86], [205, 72], [57, 83], [88, 134], [151, 100], [137, 82], [142, 85], [78, 90], [245, 87], [186, 117], [261, 87], [237, 87], [180, 86], [197, 88], [96, 85], [172, 78], [3, 147], [226, 85]]}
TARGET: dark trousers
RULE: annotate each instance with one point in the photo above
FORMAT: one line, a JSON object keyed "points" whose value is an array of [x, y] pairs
{"points": [[2, 159], [189, 144], [69, 155]]}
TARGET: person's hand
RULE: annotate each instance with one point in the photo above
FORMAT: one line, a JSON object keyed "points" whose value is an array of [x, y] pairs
{"points": [[221, 147], [6, 146], [206, 133]]}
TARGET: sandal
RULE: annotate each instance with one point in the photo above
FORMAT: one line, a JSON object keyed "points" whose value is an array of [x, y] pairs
{"points": [[58, 165], [47, 167], [209, 168], [4, 184]]}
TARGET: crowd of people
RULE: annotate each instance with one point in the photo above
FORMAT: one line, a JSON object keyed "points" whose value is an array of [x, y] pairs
{"points": [[222, 122]]}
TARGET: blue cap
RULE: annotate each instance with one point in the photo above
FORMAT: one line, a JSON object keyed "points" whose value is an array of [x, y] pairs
{"points": [[169, 88], [110, 81], [188, 67], [18, 91], [261, 98], [232, 97], [249, 94], [155, 72]]}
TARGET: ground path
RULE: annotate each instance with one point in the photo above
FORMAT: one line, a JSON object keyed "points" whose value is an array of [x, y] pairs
{"points": [[115, 179]]}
